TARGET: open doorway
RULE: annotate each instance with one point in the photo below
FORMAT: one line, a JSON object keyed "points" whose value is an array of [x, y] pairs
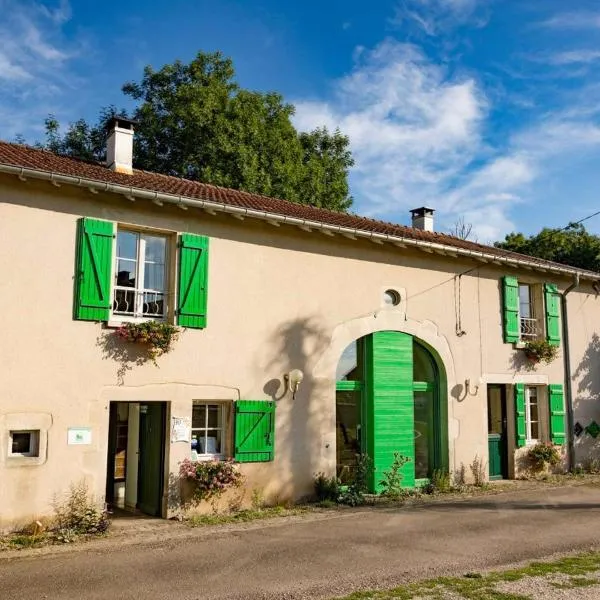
{"points": [[136, 457]]}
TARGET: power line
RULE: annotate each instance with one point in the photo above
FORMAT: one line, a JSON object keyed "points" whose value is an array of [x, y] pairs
{"points": [[580, 221]]}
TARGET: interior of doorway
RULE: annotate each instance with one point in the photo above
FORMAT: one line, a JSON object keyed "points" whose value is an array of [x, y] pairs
{"points": [[136, 458]]}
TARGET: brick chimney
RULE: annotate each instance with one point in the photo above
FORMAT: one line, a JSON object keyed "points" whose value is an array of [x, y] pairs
{"points": [[119, 145], [422, 218]]}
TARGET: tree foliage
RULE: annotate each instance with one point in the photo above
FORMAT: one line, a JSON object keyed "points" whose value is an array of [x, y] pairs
{"points": [[573, 246], [195, 121]]}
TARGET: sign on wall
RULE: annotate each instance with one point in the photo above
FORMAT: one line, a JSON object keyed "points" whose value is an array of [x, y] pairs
{"points": [[181, 429], [79, 436]]}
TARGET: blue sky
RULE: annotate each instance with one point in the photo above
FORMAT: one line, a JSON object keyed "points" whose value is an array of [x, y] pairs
{"points": [[485, 109]]}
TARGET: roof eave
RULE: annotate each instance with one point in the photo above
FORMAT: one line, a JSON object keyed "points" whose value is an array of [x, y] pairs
{"points": [[183, 201]]}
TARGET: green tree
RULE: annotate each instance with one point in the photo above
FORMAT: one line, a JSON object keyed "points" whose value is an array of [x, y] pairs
{"points": [[194, 121], [573, 246]]}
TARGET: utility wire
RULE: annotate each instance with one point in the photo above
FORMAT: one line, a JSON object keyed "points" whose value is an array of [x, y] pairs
{"points": [[580, 221]]}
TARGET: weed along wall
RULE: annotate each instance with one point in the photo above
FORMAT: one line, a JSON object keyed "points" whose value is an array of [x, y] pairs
{"points": [[254, 303]]}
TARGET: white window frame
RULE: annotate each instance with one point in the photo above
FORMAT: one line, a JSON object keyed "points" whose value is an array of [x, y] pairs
{"points": [[34, 444], [223, 429], [529, 439], [139, 289], [536, 309]]}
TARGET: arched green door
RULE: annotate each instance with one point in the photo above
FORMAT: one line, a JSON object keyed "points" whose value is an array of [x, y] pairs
{"points": [[388, 400]]}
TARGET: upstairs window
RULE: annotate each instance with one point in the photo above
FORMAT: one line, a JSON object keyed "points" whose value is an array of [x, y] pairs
{"points": [[531, 311], [126, 275], [140, 279]]}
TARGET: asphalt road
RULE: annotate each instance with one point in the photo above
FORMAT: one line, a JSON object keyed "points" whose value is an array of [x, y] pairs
{"points": [[316, 557]]}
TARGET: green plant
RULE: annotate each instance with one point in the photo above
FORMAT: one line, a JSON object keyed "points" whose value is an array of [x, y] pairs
{"points": [[354, 494], [477, 468], [326, 488], [78, 514], [540, 350], [392, 478], [544, 453], [439, 483], [210, 478], [257, 499], [157, 336]]}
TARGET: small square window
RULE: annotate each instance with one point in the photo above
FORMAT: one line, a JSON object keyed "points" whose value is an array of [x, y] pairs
{"points": [[208, 430], [24, 443]]}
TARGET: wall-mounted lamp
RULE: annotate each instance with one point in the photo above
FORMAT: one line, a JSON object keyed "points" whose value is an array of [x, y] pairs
{"points": [[294, 379], [468, 387]]}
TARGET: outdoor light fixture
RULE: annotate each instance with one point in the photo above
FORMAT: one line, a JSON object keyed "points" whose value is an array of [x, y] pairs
{"points": [[294, 379]]}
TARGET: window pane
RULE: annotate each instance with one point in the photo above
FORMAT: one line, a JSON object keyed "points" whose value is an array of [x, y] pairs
{"points": [[127, 244], [199, 416], [423, 367], [533, 412], [495, 411], [348, 443], [524, 301], [212, 443], [154, 276], [154, 304], [423, 431], [155, 249], [535, 431], [125, 273], [346, 369], [21, 442], [214, 416], [124, 301]]}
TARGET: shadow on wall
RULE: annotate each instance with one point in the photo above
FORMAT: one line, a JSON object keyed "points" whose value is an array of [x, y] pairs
{"points": [[126, 355], [297, 344], [586, 406]]}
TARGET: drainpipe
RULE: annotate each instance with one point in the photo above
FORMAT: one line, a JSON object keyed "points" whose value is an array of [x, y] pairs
{"points": [[567, 365]]}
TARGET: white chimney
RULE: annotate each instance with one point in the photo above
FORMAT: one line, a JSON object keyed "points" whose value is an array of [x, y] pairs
{"points": [[119, 145], [422, 218]]}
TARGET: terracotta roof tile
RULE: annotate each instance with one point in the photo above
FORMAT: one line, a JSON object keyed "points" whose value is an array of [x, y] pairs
{"points": [[25, 156]]}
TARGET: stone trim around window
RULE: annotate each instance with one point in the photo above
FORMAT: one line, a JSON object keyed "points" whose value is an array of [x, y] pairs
{"points": [[38, 424]]}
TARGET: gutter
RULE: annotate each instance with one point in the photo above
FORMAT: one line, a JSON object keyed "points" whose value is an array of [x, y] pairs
{"points": [[567, 367], [133, 193]]}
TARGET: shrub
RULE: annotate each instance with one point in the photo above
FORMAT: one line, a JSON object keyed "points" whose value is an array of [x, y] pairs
{"points": [[78, 514], [210, 478], [326, 488], [392, 478], [354, 495], [544, 453]]}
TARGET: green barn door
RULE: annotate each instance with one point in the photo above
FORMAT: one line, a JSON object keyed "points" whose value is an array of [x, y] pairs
{"points": [[497, 438], [152, 453], [389, 414]]}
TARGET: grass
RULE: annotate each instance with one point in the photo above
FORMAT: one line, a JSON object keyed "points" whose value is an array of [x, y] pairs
{"points": [[478, 586], [245, 516]]}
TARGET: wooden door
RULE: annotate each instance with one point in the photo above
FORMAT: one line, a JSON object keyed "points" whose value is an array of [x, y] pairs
{"points": [[497, 438], [152, 458]]}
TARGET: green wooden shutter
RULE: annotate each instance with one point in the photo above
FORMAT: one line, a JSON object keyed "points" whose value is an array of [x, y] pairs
{"points": [[552, 298], [520, 428], [510, 298], [193, 281], [94, 260], [254, 431], [557, 413], [390, 407]]}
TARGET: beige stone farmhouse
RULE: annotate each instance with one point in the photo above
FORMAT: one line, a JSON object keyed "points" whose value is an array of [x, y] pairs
{"points": [[307, 337]]}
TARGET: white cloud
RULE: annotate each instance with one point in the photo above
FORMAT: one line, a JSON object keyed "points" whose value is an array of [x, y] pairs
{"points": [[34, 63], [433, 16], [418, 138], [573, 20], [575, 57]]}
